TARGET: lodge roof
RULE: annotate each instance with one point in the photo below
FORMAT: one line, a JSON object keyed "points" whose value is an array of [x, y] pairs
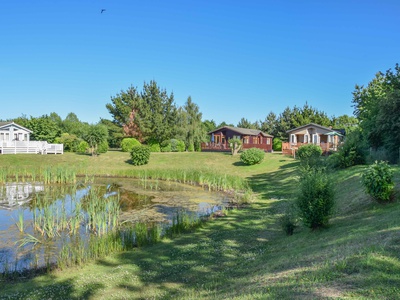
{"points": [[242, 131], [4, 124]]}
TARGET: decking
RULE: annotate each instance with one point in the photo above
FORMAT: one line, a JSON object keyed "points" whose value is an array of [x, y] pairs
{"points": [[224, 147], [30, 147], [290, 148]]}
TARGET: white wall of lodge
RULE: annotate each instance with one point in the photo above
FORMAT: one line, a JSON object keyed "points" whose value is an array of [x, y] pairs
{"points": [[12, 132]]}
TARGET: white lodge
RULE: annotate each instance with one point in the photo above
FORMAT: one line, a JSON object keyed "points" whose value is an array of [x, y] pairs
{"points": [[15, 139]]}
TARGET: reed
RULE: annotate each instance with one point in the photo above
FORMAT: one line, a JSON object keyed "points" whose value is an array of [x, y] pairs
{"points": [[141, 235]]}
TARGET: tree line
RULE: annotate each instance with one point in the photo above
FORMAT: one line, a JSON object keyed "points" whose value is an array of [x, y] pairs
{"points": [[151, 116]]}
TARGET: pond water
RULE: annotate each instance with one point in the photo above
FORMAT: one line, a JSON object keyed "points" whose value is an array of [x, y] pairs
{"points": [[31, 213]]}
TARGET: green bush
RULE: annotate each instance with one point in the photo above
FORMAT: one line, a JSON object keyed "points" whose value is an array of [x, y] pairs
{"points": [[316, 198], [140, 155], [82, 147], [153, 145], [177, 145], [165, 146], [102, 147], [128, 143], [191, 147], [288, 221], [277, 144], [70, 142], [349, 154], [252, 156], [181, 146], [309, 155], [377, 180]]}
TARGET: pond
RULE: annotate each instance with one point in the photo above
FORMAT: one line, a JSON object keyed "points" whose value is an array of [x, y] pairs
{"points": [[42, 225]]}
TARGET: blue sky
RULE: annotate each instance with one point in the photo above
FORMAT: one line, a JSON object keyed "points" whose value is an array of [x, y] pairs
{"points": [[234, 58]]}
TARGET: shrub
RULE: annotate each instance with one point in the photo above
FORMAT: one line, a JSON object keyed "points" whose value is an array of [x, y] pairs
{"points": [[252, 156], [165, 146], [191, 147], [316, 198], [153, 145], [277, 144], [309, 155], [377, 180], [140, 155], [181, 146], [288, 221], [70, 142], [102, 147], [128, 143], [349, 154], [82, 147]]}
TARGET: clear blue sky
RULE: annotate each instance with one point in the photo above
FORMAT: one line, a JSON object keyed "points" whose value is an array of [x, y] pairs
{"points": [[234, 58]]}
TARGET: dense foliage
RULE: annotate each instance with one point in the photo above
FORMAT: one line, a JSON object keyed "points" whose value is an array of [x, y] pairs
{"points": [[140, 155], [316, 198], [351, 153], [377, 107], [277, 144], [252, 156], [377, 180], [96, 135], [153, 115], [309, 154], [127, 144]]}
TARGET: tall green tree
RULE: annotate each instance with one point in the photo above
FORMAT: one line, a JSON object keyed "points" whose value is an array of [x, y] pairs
{"points": [[72, 125], [270, 124], [292, 118], [43, 128], [115, 133], [156, 114], [123, 108], [244, 123], [346, 122], [195, 132], [377, 107]]}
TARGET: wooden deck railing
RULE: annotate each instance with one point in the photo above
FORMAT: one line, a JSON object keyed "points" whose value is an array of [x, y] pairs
{"points": [[289, 148], [226, 147]]}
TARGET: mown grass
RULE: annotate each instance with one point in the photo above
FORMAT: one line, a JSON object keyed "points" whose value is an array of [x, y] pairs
{"points": [[245, 255]]}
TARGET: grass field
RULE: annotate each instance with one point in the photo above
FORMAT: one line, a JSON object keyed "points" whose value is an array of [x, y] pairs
{"points": [[244, 255]]}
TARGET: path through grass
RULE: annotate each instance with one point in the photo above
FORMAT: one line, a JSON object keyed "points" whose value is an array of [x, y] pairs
{"points": [[246, 255]]}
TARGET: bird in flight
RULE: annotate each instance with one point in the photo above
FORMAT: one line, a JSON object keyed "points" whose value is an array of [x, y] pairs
{"points": [[103, 10]]}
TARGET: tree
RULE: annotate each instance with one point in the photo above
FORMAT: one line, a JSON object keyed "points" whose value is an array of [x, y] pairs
{"points": [[43, 128], [115, 133], [244, 123], [195, 133], [270, 124], [72, 125], [348, 123], [94, 136], [124, 109], [292, 118], [377, 108], [156, 114]]}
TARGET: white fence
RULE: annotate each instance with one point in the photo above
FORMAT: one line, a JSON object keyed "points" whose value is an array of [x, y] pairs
{"points": [[32, 147]]}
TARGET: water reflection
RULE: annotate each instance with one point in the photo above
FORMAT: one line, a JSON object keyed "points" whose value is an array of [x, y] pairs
{"points": [[139, 201], [13, 195]]}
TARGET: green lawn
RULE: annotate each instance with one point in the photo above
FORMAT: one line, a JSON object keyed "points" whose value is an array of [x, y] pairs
{"points": [[244, 255]]}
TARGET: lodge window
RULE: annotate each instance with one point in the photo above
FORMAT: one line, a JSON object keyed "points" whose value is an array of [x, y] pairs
{"points": [[268, 141], [255, 140], [246, 140]]}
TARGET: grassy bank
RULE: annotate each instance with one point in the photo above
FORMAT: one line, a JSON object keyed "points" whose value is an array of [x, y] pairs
{"points": [[244, 255]]}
